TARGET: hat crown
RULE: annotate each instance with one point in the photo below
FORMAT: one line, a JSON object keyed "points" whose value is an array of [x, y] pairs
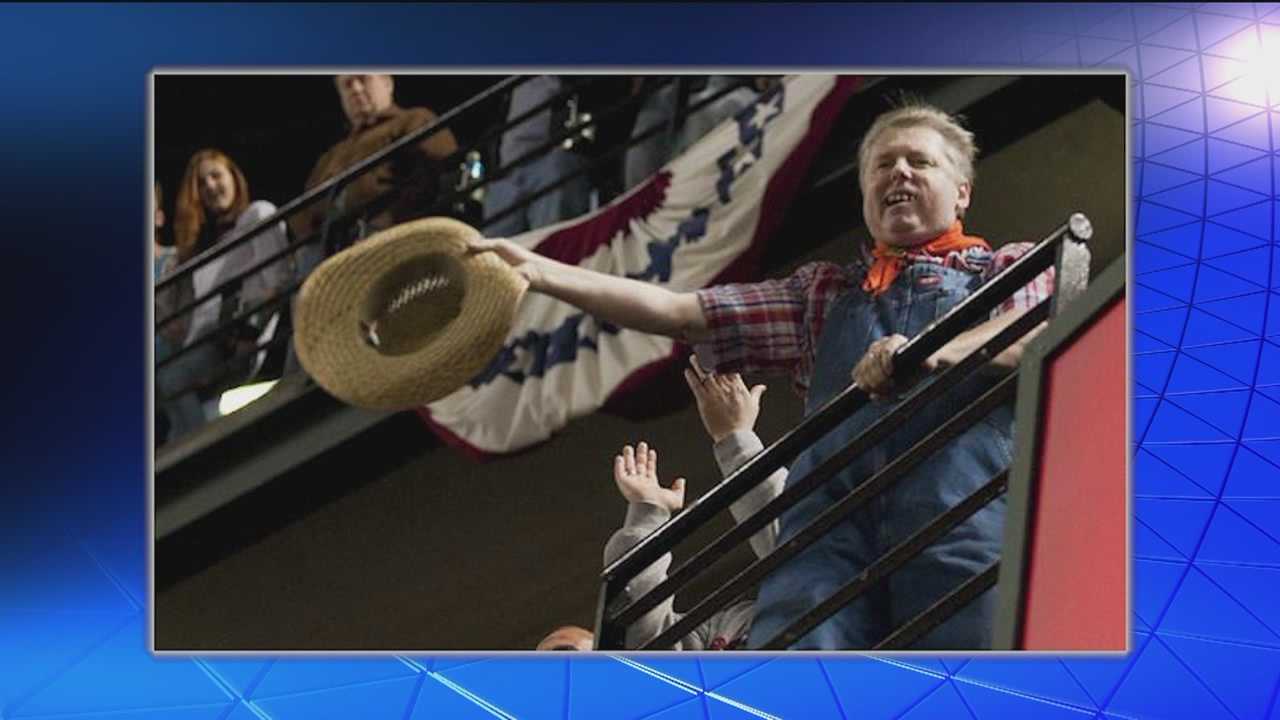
{"points": [[406, 316], [413, 303]]}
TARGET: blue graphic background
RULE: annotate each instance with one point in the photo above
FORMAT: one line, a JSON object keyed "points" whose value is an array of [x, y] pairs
{"points": [[73, 621]]}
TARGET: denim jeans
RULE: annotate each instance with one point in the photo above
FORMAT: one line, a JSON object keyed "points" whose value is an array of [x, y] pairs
{"points": [[920, 294], [567, 201], [646, 157], [177, 385]]}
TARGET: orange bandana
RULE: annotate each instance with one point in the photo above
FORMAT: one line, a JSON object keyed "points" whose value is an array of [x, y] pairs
{"points": [[890, 260]]}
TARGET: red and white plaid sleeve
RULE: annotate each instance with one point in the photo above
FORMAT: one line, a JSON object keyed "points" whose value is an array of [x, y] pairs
{"points": [[770, 326], [1029, 295]]}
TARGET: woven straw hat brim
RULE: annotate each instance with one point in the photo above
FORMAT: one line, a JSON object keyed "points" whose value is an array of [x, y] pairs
{"points": [[442, 313]]}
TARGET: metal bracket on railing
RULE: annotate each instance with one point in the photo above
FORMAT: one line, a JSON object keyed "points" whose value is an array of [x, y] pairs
{"points": [[1071, 269], [599, 160], [584, 130]]}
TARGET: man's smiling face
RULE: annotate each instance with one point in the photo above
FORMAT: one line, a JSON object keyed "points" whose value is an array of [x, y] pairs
{"points": [[912, 191]]}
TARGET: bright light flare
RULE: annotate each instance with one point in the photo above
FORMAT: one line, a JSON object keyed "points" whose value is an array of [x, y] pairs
{"points": [[1254, 61], [236, 398]]}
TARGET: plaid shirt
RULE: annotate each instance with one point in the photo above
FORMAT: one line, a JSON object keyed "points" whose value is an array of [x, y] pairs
{"points": [[773, 326]]}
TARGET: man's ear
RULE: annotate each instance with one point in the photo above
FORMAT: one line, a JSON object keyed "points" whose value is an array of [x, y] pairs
{"points": [[391, 84], [964, 192]]}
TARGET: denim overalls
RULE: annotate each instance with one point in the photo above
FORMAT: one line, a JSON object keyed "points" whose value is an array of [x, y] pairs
{"points": [[921, 293]]}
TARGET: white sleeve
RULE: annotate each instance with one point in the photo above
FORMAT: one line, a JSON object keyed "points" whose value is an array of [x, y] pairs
{"points": [[642, 520], [271, 279], [733, 452]]}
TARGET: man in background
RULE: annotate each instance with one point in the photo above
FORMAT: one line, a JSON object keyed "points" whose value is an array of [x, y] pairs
{"points": [[402, 188]]}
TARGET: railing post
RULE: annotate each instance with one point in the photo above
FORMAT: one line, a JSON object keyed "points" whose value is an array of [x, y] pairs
{"points": [[609, 635], [1071, 268], [680, 111]]}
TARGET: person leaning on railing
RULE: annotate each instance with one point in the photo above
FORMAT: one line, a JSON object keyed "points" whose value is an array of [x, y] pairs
{"points": [[214, 207], [729, 411], [569, 200], [826, 324], [183, 409], [662, 105], [402, 188]]}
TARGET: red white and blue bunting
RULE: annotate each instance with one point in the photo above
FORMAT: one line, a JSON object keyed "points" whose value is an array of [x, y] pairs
{"points": [[703, 218]]}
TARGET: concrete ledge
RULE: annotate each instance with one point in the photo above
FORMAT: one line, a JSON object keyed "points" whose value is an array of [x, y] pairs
{"points": [[243, 451]]}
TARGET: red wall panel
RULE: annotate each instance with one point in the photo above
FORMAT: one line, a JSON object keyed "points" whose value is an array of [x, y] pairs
{"points": [[1077, 551]]}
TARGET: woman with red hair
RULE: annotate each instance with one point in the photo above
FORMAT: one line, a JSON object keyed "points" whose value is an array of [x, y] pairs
{"points": [[214, 207]]}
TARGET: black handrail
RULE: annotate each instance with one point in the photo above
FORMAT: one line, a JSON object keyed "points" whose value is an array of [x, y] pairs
{"points": [[609, 155], [886, 478], [870, 437], [568, 90], [893, 560], [283, 294], [338, 181], [909, 356], [295, 245], [945, 607], [452, 196], [292, 247], [228, 371], [611, 622], [538, 151], [361, 167]]}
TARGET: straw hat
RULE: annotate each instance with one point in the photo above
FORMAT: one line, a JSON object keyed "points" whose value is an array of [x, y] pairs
{"points": [[406, 316]]}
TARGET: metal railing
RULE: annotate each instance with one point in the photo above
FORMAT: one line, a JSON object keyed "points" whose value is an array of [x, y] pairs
{"points": [[333, 185], [328, 187], [1063, 248]]}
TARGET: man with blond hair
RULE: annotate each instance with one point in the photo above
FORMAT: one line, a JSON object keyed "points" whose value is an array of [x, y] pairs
{"points": [[827, 324]]}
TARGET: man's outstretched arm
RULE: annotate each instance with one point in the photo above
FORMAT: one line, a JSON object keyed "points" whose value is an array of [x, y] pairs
{"points": [[622, 301]]}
